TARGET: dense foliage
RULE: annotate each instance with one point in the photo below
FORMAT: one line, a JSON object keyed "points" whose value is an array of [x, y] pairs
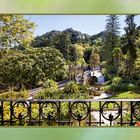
{"points": [[71, 90], [15, 30], [28, 62], [111, 42], [30, 68]]}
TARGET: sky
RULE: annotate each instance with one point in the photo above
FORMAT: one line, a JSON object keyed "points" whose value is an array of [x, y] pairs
{"points": [[89, 24]]}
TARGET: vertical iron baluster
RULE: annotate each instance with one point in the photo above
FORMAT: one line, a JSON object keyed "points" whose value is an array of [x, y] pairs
{"points": [[72, 118], [121, 121], [132, 111], [110, 123], [89, 111], [100, 111], [59, 113], [110, 119], [30, 112], [2, 113], [40, 112], [20, 119], [11, 112], [49, 119], [79, 122], [69, 113]]}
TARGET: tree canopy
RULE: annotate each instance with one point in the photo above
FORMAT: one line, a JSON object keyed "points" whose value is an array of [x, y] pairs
{"points": [[31, 68], [15, 30]]}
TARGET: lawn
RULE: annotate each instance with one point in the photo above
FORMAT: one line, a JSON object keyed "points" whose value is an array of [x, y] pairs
{"points": [[127, 95]]}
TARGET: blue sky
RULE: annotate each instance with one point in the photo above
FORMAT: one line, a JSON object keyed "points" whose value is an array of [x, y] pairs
{"points": [[90, 24]]}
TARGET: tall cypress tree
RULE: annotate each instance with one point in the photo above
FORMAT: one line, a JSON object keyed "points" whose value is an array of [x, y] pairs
{"points": [[63, 44], [111, 41], [129, 47]]}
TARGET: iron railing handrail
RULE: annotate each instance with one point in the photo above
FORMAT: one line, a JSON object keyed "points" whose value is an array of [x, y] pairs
{"points": [[73, 100], [69, 111]]}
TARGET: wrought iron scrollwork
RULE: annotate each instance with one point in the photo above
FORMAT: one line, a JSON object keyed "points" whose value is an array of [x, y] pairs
{"points": [[1, 110], [20, 110], [49, 111], [110, 111], [70, 112], [136, 110], [79, 111]]}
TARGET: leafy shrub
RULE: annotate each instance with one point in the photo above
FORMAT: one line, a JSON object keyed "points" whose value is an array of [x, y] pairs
{"points": [[132, 87], [118, 85], [138, 82], [123, 87], [61, 95], [116, 80], [112, 88], [106, 88], [50, 84], [50, 90], [83, 88], [40, 95], [14, 95], [46, 93], [71, 88]]}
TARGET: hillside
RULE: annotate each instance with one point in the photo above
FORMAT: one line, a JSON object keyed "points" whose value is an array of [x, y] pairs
{"points": [[50, 38]]}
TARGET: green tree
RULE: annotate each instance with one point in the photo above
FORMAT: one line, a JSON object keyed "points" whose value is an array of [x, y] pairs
{"points": [[111, 41], [94, 59], [80, 53], [129, 46], [63, 43], [87, 54], [73, 55], [15, 30], [71, 88], [117, 54], [31, 68]]}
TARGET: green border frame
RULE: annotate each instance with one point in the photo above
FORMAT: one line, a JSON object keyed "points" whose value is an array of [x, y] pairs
{"points": [[69, 7], [69, 134]]}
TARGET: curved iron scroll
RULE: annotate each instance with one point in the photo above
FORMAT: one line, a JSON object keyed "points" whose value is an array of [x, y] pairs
{"points": [[110, 111], [70, 112], [136, 110], [20, 110], [49, 110], [80, 111]]}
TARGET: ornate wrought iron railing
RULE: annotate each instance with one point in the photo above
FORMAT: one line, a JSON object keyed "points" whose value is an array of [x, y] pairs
{"points": [[69, 112]]}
